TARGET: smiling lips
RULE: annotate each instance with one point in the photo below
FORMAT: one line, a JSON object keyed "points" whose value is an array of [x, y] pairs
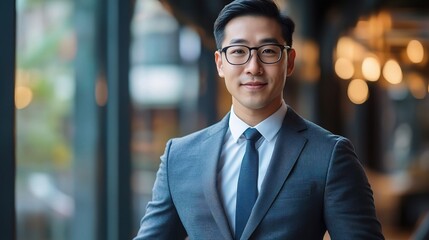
{"points": [[254, 85]]}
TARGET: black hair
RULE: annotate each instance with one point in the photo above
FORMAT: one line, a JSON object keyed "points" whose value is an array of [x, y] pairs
{"points": [[265, 8]]}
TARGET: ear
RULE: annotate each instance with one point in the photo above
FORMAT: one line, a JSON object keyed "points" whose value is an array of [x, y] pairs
{"points": [[218, 60], [290, 61]]}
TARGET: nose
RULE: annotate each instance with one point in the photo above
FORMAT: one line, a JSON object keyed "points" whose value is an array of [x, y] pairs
{"points": [[254, 65]]}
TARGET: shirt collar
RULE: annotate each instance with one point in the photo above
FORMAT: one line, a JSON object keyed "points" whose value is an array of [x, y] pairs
{"points": [[268, 127]]}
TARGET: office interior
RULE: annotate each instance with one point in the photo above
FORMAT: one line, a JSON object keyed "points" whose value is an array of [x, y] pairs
{"points": [[93, 89]]}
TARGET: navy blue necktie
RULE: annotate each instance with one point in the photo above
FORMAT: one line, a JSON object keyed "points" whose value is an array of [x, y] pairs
{"points": [[247, 188]]}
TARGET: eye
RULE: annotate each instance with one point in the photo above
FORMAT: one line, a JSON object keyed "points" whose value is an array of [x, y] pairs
{"points": [[237, 51], [270, 50]]}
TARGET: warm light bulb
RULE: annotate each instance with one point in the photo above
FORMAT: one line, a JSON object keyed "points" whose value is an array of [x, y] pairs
{"points": [[23, 97], [345, 47], [358, 91], [371, 69], [392, 72], [344, 68], [415, 51]]}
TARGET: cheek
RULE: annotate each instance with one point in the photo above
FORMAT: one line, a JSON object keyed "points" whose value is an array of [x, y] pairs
{"points": [[230, 72], [284, 73], [230, 87], [278, 74]]}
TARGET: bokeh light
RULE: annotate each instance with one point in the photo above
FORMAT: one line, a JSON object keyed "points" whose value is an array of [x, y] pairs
{"points": [[23, 97], [417, 85], [371, 69], [344, 68], [415, 51], [358, 91], [392, 72]]}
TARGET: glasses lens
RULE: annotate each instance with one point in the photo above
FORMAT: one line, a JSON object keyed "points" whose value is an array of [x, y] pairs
{"points": [[270, 53], [237, 54]]}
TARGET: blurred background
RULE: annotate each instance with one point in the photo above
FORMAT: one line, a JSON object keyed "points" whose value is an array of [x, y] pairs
{"points": [[100, 86]]}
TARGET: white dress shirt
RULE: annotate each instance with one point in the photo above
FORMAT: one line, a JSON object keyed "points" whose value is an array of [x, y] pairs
{"points": [[232, 154]]}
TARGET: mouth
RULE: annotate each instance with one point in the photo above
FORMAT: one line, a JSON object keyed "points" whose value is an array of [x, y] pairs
{"points": [[254, 85]]}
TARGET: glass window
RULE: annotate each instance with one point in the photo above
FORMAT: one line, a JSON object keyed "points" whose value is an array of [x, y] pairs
{"points": [[44, 101], [164, 89]]}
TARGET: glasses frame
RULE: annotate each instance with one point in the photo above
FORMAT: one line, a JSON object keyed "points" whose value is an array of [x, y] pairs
{"points": [[282, 48]]}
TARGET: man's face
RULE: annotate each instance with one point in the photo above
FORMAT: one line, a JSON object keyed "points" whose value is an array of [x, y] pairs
{"points": [[254, 86]]}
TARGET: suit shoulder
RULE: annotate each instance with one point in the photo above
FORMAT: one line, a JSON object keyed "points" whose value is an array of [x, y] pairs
{"points": [[202, 134], [317, 132]]}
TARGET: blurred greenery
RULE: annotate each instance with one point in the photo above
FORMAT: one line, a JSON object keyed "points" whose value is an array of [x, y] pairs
{"points": [[43, 127], [46, 52], [45, 76]]}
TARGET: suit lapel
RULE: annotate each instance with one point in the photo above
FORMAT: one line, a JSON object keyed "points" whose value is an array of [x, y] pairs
{"points": [[210, 151], [286, 152]]}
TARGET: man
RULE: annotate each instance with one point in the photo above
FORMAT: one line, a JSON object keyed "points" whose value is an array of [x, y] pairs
{"points": [[293, 180]]}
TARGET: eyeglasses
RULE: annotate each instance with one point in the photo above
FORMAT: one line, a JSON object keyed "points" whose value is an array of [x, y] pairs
{"points": [[241, 54]]}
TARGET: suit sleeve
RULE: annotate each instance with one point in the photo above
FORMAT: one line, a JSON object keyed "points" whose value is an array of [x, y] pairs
{"points": [[349, 205], [161, 220]]}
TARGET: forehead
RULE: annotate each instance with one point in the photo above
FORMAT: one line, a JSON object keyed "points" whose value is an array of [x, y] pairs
{"points": [[252, 30]]}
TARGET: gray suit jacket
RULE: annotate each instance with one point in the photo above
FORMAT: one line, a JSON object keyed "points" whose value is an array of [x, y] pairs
{"points": [[314, 183]]}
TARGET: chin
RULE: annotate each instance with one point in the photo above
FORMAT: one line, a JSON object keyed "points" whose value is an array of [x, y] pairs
{"points": [[256, 106]]}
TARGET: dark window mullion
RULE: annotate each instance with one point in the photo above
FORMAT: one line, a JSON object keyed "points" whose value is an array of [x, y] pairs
{"points": [[7, 119]]}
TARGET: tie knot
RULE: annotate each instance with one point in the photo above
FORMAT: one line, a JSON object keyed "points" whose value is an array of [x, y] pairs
{"points": [[252, 134]]}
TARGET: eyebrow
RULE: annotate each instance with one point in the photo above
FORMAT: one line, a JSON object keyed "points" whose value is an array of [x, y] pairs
{"points": [[263, 41]]}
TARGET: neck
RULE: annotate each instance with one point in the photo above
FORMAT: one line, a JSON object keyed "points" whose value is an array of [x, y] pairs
{"points": [[253, 117]]}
